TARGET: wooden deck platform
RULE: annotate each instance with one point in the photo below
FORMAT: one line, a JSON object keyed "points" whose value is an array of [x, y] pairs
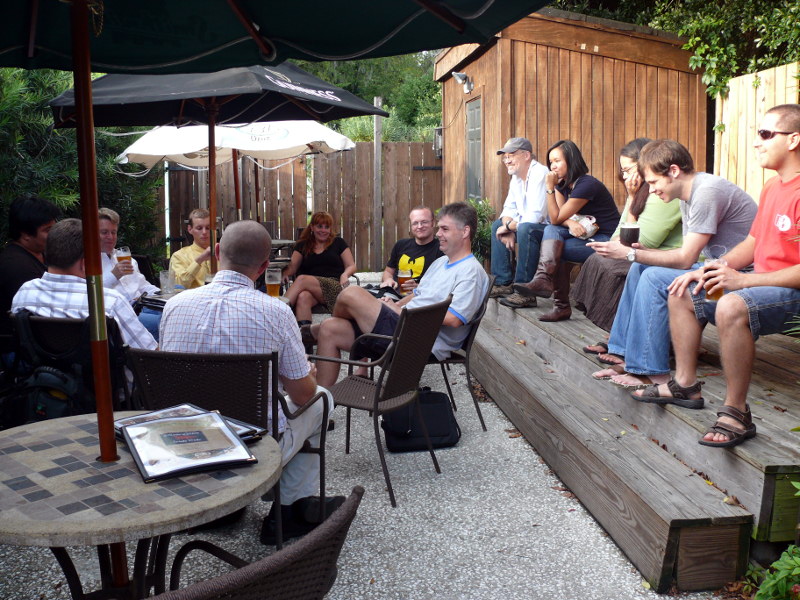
{"points": [[663, 498]]}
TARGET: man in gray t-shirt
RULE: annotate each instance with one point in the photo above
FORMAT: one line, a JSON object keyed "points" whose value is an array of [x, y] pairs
{"points": [[456, 273], [717, 215]]}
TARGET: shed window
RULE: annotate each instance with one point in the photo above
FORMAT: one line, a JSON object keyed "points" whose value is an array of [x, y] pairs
{"points": [[474, 150]]}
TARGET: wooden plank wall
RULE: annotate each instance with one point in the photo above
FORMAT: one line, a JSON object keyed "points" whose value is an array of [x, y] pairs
{"points": [[342, 186], [339, 183], [552, 78], [738, 117]]}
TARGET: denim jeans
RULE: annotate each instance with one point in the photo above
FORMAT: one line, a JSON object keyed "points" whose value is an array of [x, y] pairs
{"points": [[640, 331], [529, 237], [770, 309], [575, 249], [151, 319]]}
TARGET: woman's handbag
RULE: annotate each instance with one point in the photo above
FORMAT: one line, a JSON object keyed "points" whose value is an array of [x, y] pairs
{"points": [[588, 223]]}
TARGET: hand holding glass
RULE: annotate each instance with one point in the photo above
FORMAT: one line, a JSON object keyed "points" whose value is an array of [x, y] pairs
{"points": [[403, 275], [709, 265], [629, 234]]}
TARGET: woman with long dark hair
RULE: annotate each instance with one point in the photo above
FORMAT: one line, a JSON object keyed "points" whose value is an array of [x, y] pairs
{"points": [[323, 263], [599, 286], [571, 193]]}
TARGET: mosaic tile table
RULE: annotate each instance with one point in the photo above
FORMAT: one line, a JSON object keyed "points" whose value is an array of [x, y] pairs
{"points": [[54, 492]]}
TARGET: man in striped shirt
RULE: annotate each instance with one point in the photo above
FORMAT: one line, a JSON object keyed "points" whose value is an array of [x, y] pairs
{"points": [[61, 291]]}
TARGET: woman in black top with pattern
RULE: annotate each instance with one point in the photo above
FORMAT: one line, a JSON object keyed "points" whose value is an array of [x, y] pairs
{"points": [[322, 263]]}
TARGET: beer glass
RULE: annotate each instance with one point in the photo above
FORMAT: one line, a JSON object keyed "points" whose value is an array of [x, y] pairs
{"points": [[628, 234], [123, 254], [273, 281]]}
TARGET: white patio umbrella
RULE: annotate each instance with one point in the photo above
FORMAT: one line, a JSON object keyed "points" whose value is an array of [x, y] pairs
{"points": [[274, 140]]}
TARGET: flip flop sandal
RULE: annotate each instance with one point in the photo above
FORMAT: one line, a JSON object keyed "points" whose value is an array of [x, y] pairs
{"points": [[644, 381], [735, 435], [606, 360], [607, 374], [591, 350], [680, 395]]}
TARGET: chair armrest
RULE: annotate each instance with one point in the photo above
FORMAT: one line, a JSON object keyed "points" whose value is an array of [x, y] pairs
{"points": [[214, 550], [293, 415]]}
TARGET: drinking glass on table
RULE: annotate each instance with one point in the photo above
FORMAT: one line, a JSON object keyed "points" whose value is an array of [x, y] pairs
{"points": [[273, 281], [167, 280]]}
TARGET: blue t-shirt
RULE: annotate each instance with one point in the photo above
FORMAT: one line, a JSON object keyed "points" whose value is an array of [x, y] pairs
{"points": [[466, 280]]}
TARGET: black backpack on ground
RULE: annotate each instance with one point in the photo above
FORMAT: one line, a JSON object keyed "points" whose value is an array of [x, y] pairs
{"points": [[403, 431]]}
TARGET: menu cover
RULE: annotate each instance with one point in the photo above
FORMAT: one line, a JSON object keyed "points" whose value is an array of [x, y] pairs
{"points": [[246, 431], [169, 447]]}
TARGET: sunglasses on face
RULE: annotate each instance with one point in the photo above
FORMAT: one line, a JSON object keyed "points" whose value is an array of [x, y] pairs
{"points": [[766, 134]]}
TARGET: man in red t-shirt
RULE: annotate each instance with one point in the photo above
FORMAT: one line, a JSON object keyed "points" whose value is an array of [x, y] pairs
{"points": [[755, 303]]}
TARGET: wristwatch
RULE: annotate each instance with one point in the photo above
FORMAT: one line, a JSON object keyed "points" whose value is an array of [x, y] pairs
{"points": [[631, 255]]}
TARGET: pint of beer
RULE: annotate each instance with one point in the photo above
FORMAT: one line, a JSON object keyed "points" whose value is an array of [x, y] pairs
{"points": [[403, 275], [273, 281], [123, 254], [709, 265]]}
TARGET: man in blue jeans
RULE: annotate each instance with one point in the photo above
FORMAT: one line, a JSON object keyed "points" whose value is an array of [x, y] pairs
{"points": [[521, 222], [717, 215], [756, 303]]}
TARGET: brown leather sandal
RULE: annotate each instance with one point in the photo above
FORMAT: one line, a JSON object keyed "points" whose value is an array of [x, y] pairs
{"points": [[680, 395], [735, 435]]}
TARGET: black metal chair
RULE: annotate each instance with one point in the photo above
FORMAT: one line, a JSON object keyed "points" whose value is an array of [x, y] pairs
{"points": [[146, 268], [242, 386], [397, 385], [461, 356], [306, 570]]}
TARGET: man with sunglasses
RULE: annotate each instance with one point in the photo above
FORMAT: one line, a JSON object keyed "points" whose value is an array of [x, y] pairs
{"points": [[414, 254], [755, 303], [521, 222]]}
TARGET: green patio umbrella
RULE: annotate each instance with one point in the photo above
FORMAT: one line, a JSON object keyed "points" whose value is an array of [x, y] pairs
{"points": [[182, 36]]}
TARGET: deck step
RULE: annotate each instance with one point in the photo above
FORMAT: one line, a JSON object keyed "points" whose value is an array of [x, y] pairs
{"points": [[664, 516]]}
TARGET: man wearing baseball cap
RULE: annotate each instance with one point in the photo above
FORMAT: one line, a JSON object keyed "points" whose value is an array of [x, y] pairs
{"points": [[521, 222]]}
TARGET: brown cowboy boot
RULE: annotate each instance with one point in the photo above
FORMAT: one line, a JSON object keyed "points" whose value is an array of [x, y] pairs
{"points": [[542, 283], [561, 308]]}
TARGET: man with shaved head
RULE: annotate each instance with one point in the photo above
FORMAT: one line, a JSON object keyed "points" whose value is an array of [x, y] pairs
{"points": [[229, 316]]}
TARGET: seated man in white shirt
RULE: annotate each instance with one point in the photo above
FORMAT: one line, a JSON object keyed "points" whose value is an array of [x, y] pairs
{"points": [[229, 316], [61, 291], [124, 276]]}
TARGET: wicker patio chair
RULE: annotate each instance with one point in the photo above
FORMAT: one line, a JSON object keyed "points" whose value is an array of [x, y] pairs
{"points": [[306, 570], [461, 356], [237, 385], [397, 384]]}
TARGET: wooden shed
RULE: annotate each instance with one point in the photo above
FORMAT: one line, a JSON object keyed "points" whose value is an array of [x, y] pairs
{"points": [[556, 75]]}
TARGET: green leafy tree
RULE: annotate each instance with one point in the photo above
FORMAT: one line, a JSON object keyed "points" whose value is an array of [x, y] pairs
{"points": [[36, 159], [404, 82]]}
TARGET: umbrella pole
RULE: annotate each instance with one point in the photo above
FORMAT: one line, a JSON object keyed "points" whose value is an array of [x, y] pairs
{"points": [[87, 170], [237, 189], [211, 110], [256, 191]]}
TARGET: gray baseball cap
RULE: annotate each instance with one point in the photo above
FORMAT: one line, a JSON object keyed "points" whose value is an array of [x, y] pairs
{"points": [[514, 144]]}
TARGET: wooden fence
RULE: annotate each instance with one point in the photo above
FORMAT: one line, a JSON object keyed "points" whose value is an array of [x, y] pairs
{"points": [[341, 184], [737, 120]]}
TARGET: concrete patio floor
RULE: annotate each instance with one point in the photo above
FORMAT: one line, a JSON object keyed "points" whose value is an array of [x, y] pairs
{"points": [[496, 524]]}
